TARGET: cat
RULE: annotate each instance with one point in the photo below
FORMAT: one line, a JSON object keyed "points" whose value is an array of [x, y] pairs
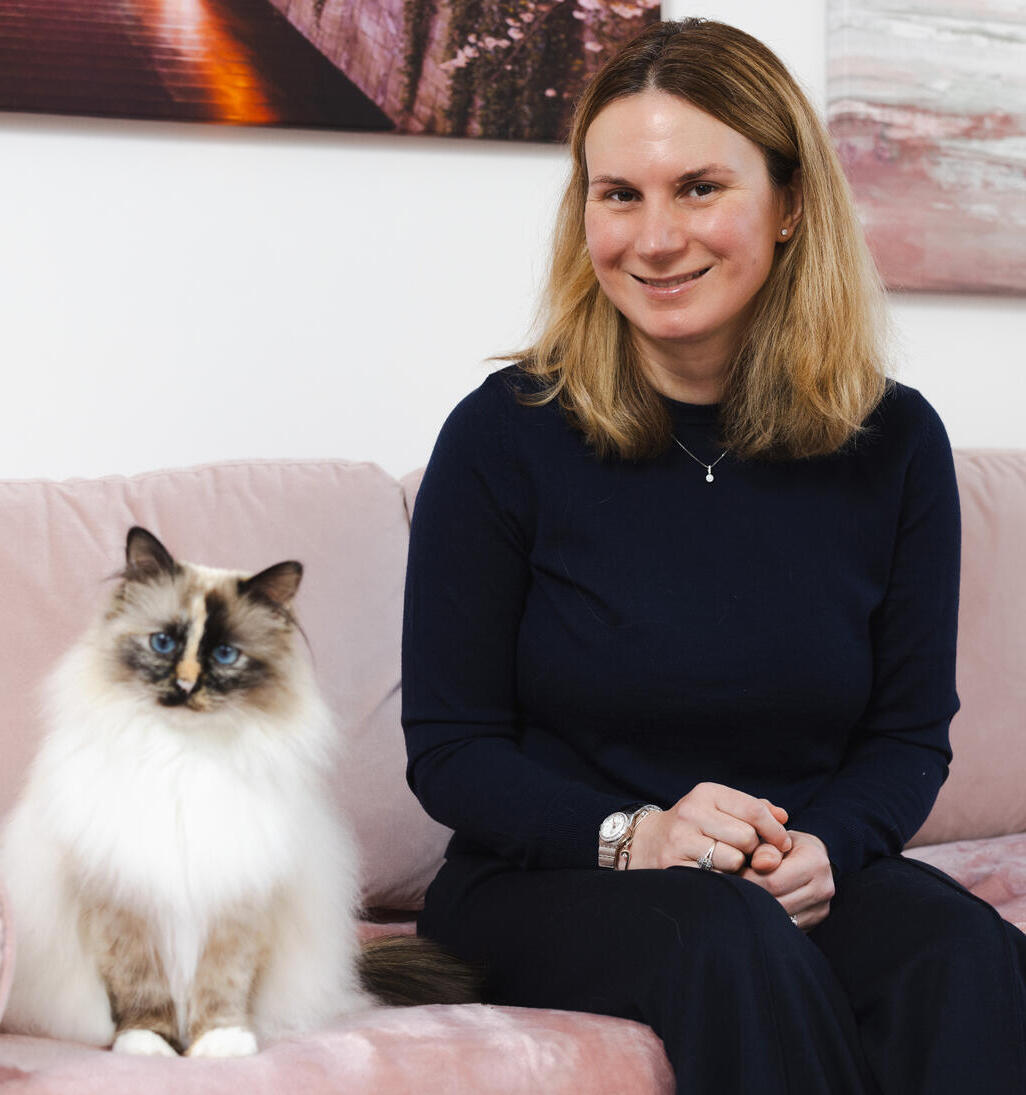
{"points": [[180, 878]]}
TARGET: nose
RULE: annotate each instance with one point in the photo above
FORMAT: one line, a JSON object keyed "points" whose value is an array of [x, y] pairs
{"points": [[662, 232], [188, 674]]}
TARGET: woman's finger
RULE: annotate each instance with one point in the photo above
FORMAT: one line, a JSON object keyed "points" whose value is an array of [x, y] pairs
{"points": [[793, 877], [730, 830], [808, 918], [777, 811], [723, 856], [766, 858], [801, 899], [757, 813]]}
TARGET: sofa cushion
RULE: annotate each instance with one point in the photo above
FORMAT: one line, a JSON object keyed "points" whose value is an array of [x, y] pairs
{"points": [[994, 869], [346, 523], [469, 1049], [983, 794]]}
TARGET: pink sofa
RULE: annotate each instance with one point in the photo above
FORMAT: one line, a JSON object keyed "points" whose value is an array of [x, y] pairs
{"points": [[348, 523]]}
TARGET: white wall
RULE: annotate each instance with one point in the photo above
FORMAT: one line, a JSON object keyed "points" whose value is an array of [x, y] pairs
{"points": [[179, 293]]}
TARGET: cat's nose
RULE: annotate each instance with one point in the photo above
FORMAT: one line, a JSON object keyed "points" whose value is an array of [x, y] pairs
{"points": [[188, 671]]}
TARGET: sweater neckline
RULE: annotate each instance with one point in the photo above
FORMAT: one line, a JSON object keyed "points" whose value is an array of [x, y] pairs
{"points": [[691, 413]]}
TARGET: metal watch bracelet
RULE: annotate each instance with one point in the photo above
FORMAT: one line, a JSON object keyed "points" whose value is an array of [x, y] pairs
{"points": [[616, 834]]}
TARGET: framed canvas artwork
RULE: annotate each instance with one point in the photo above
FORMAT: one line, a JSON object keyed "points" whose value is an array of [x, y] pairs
{"points": [[927, 105], [506, 69]]}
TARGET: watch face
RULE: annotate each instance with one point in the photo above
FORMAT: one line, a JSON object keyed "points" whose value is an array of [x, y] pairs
{"points": [[614, 826]]}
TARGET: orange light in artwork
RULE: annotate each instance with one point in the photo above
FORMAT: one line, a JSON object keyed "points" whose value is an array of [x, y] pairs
{"points": [[209, 59]]}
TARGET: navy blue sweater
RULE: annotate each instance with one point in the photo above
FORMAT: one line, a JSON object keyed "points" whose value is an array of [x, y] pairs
{"points": [[583, 635]]}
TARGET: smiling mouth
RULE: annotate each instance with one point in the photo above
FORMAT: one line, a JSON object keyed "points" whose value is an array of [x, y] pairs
{"points": [[671, 283]]}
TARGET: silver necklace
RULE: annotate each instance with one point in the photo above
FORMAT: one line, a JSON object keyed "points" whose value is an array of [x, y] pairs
{"points": [[709, 477]]}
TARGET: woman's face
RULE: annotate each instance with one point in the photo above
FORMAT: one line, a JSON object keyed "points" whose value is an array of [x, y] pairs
{"points": [[682, 223]]}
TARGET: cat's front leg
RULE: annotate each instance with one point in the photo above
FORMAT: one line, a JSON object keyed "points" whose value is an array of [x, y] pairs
{"points": [[234, 955], [137, 986]]}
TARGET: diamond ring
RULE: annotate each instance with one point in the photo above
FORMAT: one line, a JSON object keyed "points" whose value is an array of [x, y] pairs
{"points": [[706, 862]]}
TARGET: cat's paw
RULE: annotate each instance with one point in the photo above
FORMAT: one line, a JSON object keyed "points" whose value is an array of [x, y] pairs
{"points": [[224, 1042], [142, 1043]]}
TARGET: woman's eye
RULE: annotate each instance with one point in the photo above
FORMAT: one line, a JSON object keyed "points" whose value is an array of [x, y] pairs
{"points": [[621, 196], [702, 190], [225, 654], [162, 643]]}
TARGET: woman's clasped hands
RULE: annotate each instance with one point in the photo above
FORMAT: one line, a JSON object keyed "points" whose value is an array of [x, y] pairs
{"points": [[746, 837]]}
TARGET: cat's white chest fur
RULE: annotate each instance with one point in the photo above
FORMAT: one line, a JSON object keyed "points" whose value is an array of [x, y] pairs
{"points": [[190, 823], [183, 824]]}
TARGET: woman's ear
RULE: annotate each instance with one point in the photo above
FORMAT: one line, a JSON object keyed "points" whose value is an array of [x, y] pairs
{"points": [[792, 205]]}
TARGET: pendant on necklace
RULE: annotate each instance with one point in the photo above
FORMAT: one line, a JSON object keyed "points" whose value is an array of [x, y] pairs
{"points": [[709, 477]]}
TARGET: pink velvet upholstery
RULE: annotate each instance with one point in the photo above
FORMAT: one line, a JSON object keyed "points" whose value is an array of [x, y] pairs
{"points": [[374, 930], [993, 868], [6, 951], [410, 484], [348, 523], [984, 796], [471, 1049]]}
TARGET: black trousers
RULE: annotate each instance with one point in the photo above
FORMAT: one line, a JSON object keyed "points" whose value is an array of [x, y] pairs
{"points": [[911, 986]]}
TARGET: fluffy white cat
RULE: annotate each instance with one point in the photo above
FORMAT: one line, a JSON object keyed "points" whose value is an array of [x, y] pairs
{"points": [[180, 878]]}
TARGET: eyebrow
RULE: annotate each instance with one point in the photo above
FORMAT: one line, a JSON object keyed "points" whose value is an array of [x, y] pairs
{"points": [[688, 176]]}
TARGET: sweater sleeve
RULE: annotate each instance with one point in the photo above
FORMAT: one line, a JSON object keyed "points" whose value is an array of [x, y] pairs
{"points": [[898, 754], [467, 580]]}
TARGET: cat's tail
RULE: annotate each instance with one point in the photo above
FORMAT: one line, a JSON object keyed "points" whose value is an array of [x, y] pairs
{"points": [[403, 970]]}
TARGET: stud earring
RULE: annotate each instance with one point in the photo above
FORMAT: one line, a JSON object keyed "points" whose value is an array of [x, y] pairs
{"points": [[783, 231]]}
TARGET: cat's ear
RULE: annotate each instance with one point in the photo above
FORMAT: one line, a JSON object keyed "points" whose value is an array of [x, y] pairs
{"points": [[277, 584], [146, 557]]}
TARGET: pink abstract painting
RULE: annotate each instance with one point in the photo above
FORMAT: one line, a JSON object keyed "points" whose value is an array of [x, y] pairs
{"points": [[927, 106]]}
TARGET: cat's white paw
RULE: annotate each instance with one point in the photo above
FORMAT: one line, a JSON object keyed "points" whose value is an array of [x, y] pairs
{"points": [[224, 1042], [142, 1043]]}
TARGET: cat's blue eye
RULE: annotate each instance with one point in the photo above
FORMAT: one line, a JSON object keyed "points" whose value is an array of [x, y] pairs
{"points": [[162, 643], [225, 654]]}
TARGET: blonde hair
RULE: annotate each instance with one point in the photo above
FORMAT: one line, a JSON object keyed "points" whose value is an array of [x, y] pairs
{"points": [[811, 365]]}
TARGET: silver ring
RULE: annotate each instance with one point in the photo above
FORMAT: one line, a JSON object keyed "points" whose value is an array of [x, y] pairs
{"points": [[794, 919], [706, 862]]}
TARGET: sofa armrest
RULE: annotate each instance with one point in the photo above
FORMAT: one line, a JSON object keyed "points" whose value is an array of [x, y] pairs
{"points": [[6, 949]]}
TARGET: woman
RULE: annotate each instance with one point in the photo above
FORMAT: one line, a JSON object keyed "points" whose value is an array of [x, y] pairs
{"points": [[684, 574]]}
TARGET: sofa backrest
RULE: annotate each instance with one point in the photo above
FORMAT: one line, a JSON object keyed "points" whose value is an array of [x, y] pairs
{"points": [[985, 794], [346, 522]]}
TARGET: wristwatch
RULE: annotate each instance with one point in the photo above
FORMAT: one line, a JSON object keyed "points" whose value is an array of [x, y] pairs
{"points": [[616, 833]]}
